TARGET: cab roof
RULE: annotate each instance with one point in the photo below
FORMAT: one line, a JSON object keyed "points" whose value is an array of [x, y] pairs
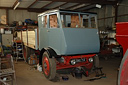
{"points": [[63, 10]]}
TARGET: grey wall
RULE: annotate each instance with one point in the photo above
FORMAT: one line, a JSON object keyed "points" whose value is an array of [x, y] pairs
{"points": [[105, 18], [19, 15], [108, 12], [123, 9], [2, 12]]}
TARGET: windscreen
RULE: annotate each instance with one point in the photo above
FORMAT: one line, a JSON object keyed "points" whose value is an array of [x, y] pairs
{"points": [[77, 20]]}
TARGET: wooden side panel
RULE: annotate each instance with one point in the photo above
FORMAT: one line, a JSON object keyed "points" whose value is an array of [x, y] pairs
{"points": [[28, 38], [19, 35], [24, 37], [31, 39]]}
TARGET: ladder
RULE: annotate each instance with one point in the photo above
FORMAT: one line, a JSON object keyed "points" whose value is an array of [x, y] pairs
{"points": [[18, 50]]}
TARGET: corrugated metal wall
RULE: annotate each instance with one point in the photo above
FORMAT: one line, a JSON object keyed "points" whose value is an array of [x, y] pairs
{"points": [[105, 18], [106, 15], [123, 11], [19, 15], [2, 12]]}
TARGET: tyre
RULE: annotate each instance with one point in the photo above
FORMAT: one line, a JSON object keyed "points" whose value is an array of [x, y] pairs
{"points": [[48, 66], [96, 61]]}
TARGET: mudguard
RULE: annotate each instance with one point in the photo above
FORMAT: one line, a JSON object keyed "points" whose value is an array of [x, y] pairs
{"points": [[50, 52]]}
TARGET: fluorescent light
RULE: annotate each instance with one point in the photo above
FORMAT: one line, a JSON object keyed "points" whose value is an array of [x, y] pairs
{"points": [[98, 6], [16, 5]]}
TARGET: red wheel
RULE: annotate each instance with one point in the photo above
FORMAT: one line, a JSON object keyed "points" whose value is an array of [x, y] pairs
{"points": [[123, 72], [46, 67], [49, 66]]}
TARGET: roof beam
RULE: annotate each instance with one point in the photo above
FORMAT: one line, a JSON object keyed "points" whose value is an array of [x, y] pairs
{"points": [[32, 3], [86, 6], [15, 3], [46, 5], [86, 1], [61, 5], [73, 6], [28, 9]]}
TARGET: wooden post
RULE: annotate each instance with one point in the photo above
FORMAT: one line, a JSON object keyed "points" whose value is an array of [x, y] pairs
{"points": [[7, 17], [116, 13]]}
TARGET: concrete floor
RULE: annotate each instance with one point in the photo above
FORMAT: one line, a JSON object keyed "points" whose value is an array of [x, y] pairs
{"points": [[27, 75]]}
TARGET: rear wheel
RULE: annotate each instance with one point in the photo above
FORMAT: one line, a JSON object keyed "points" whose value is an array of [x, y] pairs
{"points": [[49, 66]]}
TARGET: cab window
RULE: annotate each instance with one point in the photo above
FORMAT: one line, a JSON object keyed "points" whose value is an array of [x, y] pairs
{"points": [[44, 21], [70, 20], [53, 21]]}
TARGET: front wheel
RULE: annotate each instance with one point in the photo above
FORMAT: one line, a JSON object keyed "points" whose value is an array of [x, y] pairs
{"points": [[48, 66]]}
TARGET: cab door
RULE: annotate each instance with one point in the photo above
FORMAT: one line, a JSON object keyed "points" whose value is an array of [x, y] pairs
{"points": [[43, 31], [54, 32]]}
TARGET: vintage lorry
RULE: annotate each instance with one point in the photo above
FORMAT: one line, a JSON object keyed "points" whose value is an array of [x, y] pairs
{"points": [[122, 38], [67, 39]]}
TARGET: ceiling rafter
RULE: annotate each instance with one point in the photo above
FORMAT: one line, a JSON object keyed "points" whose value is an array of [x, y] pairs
{"points": [[85, 1], [73, 6], [33, 3], [15, 3], [84, 6], [28, 9], [46, 5], [89, 7], [60, 5]]}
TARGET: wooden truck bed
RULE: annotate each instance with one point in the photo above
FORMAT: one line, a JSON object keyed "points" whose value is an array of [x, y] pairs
{"points": [[29, 38]]}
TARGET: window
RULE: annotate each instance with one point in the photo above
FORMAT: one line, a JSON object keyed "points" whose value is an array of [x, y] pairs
{"points": [[44, 21], [89, 21], [93, 24], [85, 19], [78, 20], [53, 21], [70, 20]]}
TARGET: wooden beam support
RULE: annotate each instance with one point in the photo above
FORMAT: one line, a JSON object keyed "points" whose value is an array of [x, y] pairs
{"points": [[38, 10], [85, 1], [86, 6], [46, 5], [116, 11], [7, 17], [15, 3], [60, 5], [73, 6], [32, 3]]}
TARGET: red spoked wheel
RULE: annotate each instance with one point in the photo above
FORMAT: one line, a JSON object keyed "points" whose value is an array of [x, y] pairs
{"points": [[46, 67], [123, 72], [49, 66]]}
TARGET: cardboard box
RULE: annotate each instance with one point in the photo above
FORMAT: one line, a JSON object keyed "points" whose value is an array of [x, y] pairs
{"points": [[33, 59]]}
